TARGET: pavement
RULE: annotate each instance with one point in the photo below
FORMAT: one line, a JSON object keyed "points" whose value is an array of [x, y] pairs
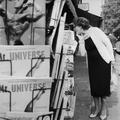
{"points": [[83, 98]]}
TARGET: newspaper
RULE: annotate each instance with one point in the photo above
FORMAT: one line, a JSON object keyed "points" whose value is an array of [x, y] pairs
{"points": [[29, 61], [25, 94]]}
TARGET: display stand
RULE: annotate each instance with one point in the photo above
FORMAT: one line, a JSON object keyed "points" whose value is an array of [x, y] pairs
{"points": [[64, 95]]}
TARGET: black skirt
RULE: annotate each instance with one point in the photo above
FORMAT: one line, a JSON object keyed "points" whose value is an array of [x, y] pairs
{"points": [[99, 71]]}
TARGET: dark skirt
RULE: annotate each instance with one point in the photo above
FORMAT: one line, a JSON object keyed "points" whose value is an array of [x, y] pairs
{"points": [[99, 71]]}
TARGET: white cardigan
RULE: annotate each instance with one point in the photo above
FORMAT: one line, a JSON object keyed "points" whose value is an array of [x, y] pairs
{"points": [[102, 43]]}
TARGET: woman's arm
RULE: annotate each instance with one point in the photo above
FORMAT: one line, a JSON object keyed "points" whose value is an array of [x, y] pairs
{"points": [[105, 40]]}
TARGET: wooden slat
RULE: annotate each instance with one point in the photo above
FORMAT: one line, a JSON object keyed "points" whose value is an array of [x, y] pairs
{"points": [[60, 34], [59, 45], [58, 59], [55, 12], [56, 20]]}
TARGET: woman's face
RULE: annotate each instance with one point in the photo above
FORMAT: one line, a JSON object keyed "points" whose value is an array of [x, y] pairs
{"points": [[79, 30]]}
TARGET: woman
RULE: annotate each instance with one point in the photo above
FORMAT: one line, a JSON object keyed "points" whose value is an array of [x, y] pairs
{"points": [[100, 54]]}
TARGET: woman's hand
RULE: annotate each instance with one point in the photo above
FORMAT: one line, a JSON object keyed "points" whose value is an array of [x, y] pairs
{"points": [[86, 36]]}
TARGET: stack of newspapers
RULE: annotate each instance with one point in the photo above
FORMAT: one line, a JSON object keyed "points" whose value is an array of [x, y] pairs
{"points": [[25, 82]]}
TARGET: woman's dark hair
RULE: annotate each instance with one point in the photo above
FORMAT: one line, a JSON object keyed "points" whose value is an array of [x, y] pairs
{"points": [[83, 22]]}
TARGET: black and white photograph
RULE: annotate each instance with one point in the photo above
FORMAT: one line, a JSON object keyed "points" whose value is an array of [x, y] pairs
{"points": [[59, 59]]}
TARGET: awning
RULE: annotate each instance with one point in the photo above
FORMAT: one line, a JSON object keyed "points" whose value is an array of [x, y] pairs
{"points": [[94, 19]]}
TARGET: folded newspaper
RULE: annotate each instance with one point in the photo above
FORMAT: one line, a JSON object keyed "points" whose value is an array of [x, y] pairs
{"points": [[25, 94]]}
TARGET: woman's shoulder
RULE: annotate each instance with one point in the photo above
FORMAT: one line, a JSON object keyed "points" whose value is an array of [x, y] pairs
{"points": [[94, 29]]}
